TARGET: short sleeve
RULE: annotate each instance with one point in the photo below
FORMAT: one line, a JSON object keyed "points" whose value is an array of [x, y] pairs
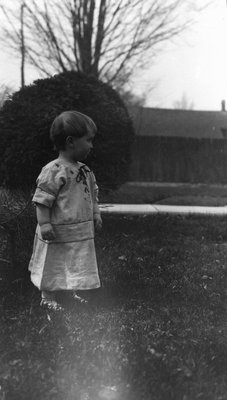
{"points": [[49, 183]]}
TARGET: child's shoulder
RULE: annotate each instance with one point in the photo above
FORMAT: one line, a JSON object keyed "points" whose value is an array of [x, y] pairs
{"points": [[52, 165]]}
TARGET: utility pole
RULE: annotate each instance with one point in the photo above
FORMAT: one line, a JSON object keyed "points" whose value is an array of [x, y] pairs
{"points": [[22, 44]]}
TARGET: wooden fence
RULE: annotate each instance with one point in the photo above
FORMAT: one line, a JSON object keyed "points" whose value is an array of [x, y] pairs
{"points": [[165, 159]]}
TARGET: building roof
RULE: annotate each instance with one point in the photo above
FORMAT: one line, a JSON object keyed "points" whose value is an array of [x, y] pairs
{"points": [[179, 123]]}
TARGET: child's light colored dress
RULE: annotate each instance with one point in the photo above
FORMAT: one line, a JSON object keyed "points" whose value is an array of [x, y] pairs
{"points": [[69, 261]]}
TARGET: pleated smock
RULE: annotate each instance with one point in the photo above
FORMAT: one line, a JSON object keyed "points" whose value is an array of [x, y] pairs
{"points": [[69, 261]]}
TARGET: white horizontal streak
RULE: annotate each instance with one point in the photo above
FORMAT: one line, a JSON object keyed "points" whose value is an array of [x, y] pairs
{"points": [[138, 209]]}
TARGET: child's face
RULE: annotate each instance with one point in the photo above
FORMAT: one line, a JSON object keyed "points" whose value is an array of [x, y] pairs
{"points": [[81, 147]]}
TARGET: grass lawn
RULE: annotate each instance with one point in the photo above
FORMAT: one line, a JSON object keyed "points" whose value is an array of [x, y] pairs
{"points": [[167, 193], [156, 330]]}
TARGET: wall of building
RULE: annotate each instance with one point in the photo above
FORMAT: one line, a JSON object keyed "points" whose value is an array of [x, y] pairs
{"points": [[165, 159]]}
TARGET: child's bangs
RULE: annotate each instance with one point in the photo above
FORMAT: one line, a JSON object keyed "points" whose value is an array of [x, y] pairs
{"points": [[79, 123], [91, 125]]}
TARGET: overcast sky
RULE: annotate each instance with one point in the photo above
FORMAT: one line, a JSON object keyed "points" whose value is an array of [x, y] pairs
{"points": [[195, 66]]}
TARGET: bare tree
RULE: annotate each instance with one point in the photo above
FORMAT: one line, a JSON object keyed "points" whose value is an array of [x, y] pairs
{"points": [[106, 38], [22, 44], [183, 103]]}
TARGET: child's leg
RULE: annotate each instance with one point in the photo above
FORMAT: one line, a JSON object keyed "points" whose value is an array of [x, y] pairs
{"points": [[47, 295]]}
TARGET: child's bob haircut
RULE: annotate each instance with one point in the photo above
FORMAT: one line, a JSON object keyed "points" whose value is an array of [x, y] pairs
{"points": [[70, 123]]}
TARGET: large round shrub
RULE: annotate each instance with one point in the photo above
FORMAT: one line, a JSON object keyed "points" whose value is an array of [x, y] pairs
{"points": [[26, 118]]}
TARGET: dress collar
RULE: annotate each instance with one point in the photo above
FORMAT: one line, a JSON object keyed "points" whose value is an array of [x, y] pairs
{"points": [[64, 161]]}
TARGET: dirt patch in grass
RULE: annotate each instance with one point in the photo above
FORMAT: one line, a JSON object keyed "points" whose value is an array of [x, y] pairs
{"points": [[157, 329]]}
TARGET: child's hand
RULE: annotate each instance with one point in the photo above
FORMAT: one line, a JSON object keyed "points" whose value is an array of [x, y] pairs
{"points": [[47, 232], [98, 222]]}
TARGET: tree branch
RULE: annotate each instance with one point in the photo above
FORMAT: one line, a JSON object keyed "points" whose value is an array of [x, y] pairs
{"points": [[103, 37]]}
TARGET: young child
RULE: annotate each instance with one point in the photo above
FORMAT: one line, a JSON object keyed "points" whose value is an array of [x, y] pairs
{"points": [[67, 210]]}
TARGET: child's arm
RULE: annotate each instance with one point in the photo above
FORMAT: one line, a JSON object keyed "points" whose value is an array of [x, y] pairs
{"points": [[96, 210], [49, 183], [43, 218], [96, 213], [98, 221]]}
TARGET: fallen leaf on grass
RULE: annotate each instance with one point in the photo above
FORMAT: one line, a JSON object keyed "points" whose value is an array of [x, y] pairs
{"points": [[154, 352], [48, 317], [16, 362], [186, 371], [122, 258]]}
